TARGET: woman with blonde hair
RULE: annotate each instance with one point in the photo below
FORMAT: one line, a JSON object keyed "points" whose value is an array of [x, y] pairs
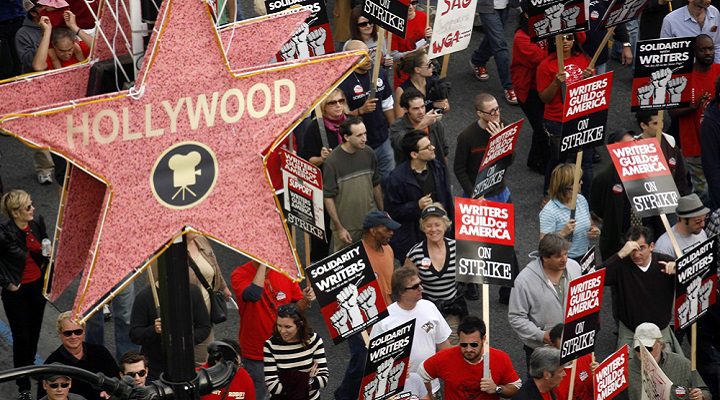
{"points": [[22, 265], [434, 259], [557, 216]]}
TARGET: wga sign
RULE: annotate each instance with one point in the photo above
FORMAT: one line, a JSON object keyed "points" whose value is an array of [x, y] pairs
{"points": [[184, 175]]}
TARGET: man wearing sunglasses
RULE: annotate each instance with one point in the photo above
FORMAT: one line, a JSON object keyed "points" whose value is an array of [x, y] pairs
{"points": [[431, 331], [75, 352], [687, 384], [58, 388], [461, 367], [134, 365]]}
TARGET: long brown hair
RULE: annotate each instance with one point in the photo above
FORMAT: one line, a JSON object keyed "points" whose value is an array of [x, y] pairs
{"points": [[355, 30], [291, 310]]}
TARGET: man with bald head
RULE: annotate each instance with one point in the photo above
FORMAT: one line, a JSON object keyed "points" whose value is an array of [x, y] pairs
{"points": [[375, 109]]}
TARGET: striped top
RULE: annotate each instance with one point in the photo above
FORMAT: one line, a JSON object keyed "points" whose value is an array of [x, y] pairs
{"points": [[281, 356], [437, 285], [555, 215]]}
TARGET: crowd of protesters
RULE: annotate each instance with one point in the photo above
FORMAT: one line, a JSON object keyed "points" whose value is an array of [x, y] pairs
{"points": [[385, 163]]}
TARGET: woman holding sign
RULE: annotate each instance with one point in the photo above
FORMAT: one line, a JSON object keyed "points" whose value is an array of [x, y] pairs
{"points": [[556, 216], [434, 259], [364, 30], [295, 364], [551, 85]]}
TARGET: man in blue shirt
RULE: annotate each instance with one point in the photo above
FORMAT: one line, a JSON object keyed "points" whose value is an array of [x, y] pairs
{"points": [[695, 18]]}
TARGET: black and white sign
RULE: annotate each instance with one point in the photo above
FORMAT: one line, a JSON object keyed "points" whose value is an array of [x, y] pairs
{"points": [[696, 289], [663, 73], [348, 292], [497, 159], [388, 359], [548, 18], [391, 15]]}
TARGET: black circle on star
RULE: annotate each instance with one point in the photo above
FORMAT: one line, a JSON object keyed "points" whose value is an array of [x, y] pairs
{"points": [[184, 175]]}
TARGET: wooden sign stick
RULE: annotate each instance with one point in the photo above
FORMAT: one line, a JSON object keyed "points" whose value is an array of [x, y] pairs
{"points": [[445, 66], [572, 379], [377, 64], [153, 288], [658, 134], [486, 318], [603, 45], [576, 183]]}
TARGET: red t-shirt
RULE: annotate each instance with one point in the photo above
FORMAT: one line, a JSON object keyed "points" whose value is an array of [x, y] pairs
{"points": [[258, 318], [31, 273], [414, 32], [526, 57], [546, 73], [241, 388], [690, 123], [462, 379], [583, 389], [72, 60]]}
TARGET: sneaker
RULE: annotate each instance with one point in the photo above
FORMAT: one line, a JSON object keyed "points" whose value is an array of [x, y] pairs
{"points": [[510, 96], [25, 395], [44, 178], [481, 73]]}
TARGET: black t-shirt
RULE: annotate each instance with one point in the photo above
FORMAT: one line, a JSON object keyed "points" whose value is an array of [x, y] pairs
{"points": [[357, 89]]}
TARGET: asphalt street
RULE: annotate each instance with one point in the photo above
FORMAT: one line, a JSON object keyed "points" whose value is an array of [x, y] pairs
{"points": [[526, 187]]}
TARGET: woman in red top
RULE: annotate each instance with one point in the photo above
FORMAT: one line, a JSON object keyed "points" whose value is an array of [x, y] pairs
{"points": [[551, 87], [526, 57], [22, 264], [417, 36]]}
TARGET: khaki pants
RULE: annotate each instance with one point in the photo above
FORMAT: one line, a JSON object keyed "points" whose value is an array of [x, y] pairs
{"points": [[43, 162]]}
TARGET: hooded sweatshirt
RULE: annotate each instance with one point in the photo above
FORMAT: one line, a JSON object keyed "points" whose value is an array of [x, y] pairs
{"points": [[534, 304]]}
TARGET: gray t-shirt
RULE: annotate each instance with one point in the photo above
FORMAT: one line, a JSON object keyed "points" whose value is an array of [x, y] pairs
{"points": [[686, 243]]}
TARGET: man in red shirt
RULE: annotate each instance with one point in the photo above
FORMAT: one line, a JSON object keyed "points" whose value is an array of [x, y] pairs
{"points": [[704, 74], [260, 291], [461, 367]]}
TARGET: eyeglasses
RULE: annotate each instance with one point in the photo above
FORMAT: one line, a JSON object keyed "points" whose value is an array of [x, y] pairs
{"points": [[414, 3], [428, 147], [473, 345], [64, 385], [287, 310], [364, 24], [429, 65], [27, 207], [140, 373], [569, 38], [76, 332], [335, 102], [494, 111], [416, 286]]}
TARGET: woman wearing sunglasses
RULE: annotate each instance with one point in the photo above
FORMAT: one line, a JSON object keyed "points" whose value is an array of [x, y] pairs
{"points": [[295, 364], [551, 85], [419, 68], [22, 265], [58, 388], [365, 31], [335, 110]]}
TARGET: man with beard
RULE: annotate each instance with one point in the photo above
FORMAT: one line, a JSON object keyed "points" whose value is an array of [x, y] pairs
{"points": [[461, 367]]}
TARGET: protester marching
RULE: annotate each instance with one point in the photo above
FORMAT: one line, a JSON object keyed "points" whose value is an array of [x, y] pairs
{"points": [[293, 157]]}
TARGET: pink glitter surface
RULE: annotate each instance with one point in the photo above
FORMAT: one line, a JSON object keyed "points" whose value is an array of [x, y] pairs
{"points": [[125, 136], [110, 12]]}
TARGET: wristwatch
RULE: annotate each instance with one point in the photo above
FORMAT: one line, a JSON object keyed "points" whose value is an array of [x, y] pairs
{"points": [[498, 390], [627, 44]]}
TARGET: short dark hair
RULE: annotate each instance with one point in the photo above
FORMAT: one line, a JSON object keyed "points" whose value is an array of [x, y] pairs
{"points": [[471, 324], [409, 142], [397, 283], [556, 332], [552, 244], [346, 126], [644, 116], [635, 232], [409, 95], [62, 33], [132, 357]]}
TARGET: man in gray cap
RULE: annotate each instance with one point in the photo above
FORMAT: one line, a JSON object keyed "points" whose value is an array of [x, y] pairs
{"points": [[686, 384], [689, 231]]}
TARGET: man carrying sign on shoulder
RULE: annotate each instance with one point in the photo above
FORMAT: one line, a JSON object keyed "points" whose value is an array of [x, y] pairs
{"points": [[689, 231], [687, 384], [645, 287], [461, 367], [537, 302]]}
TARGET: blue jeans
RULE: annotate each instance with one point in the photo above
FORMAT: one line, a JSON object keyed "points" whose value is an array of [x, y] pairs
{"points": [[256, 369], [350, 385], [122, 308], [494, 44], [385, 158]]}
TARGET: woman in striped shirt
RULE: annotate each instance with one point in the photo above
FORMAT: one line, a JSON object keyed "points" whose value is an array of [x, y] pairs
{"points": [[295, 364], [434, 259]]}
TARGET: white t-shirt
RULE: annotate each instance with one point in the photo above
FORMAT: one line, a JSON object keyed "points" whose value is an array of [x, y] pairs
{"points": [[430, 330], [686, 243]]}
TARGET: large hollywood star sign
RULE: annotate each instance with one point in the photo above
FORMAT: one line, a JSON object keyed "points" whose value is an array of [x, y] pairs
{"points": [[184, 148]]}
